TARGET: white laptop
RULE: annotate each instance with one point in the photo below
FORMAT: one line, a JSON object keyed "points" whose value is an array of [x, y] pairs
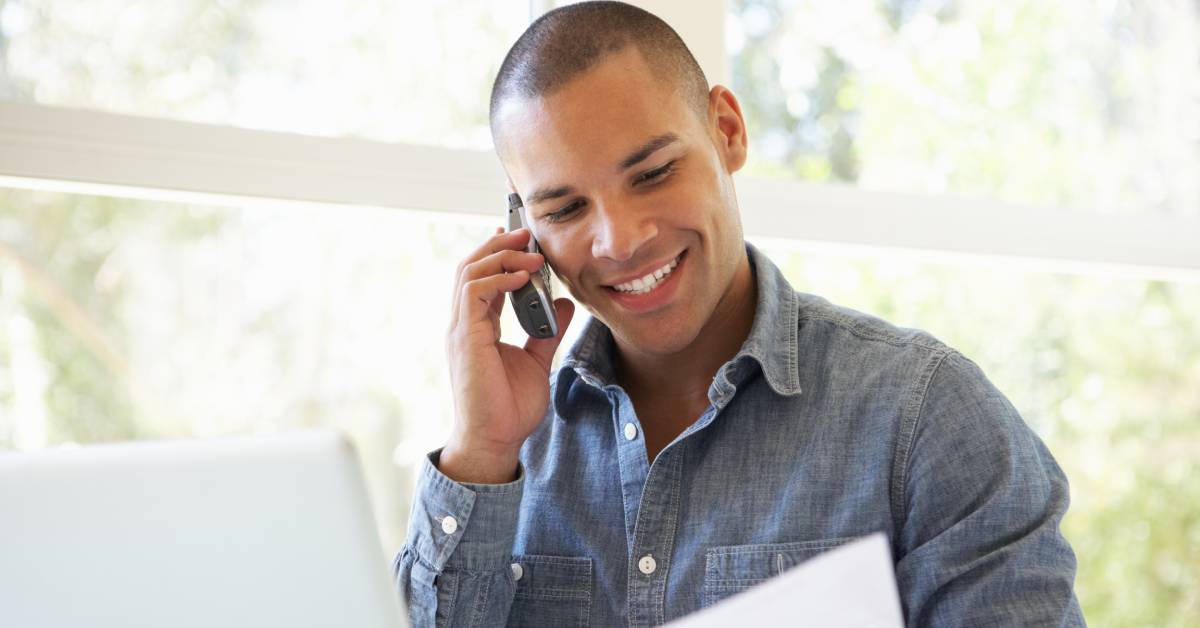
{"points": [[248, 531]]}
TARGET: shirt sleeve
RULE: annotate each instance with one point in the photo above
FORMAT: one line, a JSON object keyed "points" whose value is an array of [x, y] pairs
{"points": [[454, 569], [981, 501]]}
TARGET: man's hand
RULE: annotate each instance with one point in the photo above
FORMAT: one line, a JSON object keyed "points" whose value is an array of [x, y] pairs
{"points": [[500, 391]]}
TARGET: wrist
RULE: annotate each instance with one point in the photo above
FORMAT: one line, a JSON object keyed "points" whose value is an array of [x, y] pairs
{"points": [[469, 464]]}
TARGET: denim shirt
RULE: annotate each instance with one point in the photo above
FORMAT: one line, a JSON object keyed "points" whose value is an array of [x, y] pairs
{"points": [[827, 425]]}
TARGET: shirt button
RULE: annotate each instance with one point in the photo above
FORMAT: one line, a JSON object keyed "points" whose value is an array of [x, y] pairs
{"points": [[630, 431], [647, 564], [449, 525], [517, 571]]}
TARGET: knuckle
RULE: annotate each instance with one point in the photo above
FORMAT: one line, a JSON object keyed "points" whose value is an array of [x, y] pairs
{"points": [[469, 288], [510, 258], [476, 287]]}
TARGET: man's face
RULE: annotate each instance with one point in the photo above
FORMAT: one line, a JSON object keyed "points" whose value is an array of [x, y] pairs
{"points": [[623, 182]]}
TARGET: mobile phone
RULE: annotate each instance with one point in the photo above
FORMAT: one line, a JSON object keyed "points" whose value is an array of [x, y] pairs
{"points": [[533, 302]]}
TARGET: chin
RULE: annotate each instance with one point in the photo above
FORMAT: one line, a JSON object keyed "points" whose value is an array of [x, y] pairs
{"points": [[664, 338]]}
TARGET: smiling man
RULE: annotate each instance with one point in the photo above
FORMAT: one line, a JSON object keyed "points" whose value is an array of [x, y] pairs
{"points": [[711, 426]]}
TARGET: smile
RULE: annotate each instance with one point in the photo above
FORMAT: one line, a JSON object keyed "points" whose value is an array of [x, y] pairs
{"points": [[650, 281]]}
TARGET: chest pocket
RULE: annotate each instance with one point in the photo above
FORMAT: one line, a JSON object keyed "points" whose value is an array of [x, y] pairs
{"points": [[552, 591], [732, 569]]}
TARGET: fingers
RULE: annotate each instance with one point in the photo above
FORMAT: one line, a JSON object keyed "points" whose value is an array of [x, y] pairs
{"points": [[542, 349], [498, 263], [477, 296], [501, 240], [505, 261], [502, 252]]}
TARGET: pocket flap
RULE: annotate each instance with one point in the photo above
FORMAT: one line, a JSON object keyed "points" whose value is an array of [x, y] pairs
{"points": [[554, 577], [741, 566]]}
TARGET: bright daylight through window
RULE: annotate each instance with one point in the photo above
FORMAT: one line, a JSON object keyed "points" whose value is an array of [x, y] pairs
{"points": [[1080, 105], [132, 317]]}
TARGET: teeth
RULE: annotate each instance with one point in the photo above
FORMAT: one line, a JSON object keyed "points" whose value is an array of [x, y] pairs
{"points": [[642, 285]]}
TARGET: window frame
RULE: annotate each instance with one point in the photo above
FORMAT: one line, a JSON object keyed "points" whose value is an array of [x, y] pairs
{"points": [[95, 152]]}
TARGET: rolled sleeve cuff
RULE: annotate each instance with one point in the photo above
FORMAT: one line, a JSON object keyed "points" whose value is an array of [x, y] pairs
{"points": [[463, 526]]}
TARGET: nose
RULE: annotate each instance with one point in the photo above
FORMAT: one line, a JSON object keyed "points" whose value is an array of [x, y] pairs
{"points": [[621, 232]]}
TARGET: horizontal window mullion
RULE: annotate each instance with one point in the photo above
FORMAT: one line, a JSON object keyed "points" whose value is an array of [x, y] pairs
{"points": [[115, 152], [40, 142]]}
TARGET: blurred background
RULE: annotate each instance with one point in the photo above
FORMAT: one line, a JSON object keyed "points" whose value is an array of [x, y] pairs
{"points": [[134, 314]]}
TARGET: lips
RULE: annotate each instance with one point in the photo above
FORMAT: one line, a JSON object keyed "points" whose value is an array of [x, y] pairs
{"points": [[639, 296], [650, 280]]}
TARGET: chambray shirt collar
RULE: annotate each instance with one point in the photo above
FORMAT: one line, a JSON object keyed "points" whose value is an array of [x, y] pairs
{"points": [[771, 343]]}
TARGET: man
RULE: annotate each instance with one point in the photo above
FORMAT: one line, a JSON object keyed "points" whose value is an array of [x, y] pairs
{"points": [[711, 427]]}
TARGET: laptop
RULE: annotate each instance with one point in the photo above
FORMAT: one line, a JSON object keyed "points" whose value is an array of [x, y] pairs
{"points": [[239, 531]]}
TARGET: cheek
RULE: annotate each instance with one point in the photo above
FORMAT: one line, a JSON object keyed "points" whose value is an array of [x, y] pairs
{"points": [[701, 206], [562, 253]]}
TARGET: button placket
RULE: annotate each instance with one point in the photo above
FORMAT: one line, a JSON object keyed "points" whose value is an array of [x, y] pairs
{"points": [[631, 457], [654, 540]]}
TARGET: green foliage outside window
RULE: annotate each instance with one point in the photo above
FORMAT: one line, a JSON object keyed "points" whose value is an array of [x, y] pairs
{"points": [[124, 319], [1077, 104]]}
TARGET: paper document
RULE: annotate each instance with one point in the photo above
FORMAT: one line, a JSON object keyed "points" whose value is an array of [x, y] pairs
{"points": [[853, 585]]}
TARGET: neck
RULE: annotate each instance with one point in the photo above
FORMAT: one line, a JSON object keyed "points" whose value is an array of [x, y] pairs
{"points": [[688, 373]]}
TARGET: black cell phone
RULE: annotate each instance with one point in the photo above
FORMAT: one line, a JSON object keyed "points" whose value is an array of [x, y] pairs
{"points": [[533, 302]]}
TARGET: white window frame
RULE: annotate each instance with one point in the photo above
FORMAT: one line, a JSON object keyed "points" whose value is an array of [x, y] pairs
{"points": [[94, 152]]}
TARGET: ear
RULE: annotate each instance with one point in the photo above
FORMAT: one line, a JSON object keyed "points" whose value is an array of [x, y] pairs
{"points": [[727, 127]]}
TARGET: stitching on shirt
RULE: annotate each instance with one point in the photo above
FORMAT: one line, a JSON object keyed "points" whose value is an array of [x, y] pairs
{"points": [[770, 548], [582, 563], [481, 602], [794, 340], [724, 584], [449, 584], [907, 435], [869, 330], [767, 359], [587, 605], [669, 548], [554, 594]]}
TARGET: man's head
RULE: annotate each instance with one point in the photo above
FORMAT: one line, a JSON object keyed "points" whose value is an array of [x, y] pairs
{"points": [[568, 41], [624, 160]]}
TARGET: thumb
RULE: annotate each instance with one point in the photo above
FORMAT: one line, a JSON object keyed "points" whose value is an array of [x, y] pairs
{"points": [[542, 349]]}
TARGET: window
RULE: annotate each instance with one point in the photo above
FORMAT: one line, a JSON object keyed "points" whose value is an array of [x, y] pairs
{"points": [[131, 319], [1103, 368], [361, 68], [1075, 104], [124, 283], [1092, 107]]}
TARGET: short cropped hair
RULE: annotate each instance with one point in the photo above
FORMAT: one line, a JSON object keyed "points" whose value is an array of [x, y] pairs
{"points": [[567, 41]]}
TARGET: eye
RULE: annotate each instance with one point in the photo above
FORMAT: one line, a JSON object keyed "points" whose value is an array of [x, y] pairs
{"points": [[563, 213], [659, 173]]}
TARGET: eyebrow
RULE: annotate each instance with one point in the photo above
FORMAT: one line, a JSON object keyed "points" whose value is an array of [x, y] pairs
{"points": [[647, 149], [634, 158], [546, 194]]}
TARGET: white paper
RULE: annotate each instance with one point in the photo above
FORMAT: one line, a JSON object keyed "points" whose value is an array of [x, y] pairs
{"points": [[853, 585]]}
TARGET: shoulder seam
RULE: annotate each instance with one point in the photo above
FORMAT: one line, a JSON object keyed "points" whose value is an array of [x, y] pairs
{"points": [[907, 434], [867, 334]]}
